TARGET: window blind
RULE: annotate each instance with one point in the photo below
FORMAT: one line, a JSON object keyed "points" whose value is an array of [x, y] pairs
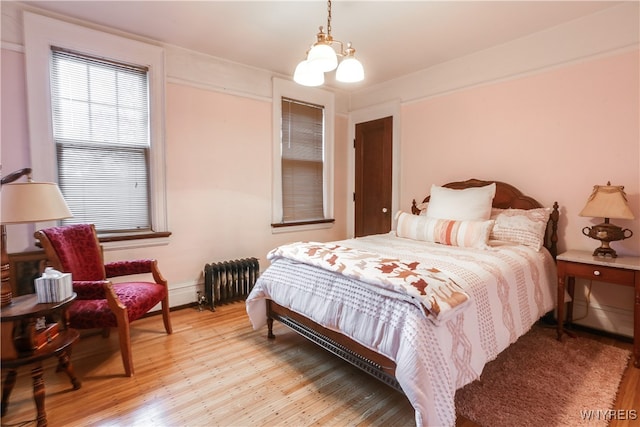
{"points": [[100, 116], [302, 161]]}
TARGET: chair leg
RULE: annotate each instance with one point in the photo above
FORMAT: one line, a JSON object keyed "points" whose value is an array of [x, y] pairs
{"points": [[165, 316], [125, 346], [124, 334]]}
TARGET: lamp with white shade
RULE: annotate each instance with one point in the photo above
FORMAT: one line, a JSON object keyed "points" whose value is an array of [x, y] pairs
{"points": [[607, 201], [23, 203]]}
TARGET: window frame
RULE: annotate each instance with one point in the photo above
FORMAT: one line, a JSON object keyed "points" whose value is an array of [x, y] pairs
{"points": [[40, 33], [288, 89]]}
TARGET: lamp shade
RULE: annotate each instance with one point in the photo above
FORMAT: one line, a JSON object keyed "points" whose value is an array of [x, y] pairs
{"points": [[350, 70], [322, 57], [32, 202], [607, 201], [306, 76]]}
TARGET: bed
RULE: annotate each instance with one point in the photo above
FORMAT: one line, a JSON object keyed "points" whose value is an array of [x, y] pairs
{"points": [[472, 269]]}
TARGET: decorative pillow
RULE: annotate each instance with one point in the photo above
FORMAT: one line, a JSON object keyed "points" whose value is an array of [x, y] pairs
{"points": [[469, 234], [521, 226], [469, 204]]}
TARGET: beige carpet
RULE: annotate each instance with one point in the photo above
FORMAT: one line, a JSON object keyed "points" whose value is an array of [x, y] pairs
{"points": [[540, 381]]}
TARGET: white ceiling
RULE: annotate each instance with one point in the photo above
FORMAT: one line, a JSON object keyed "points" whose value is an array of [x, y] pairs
{"points": [[392, 38]]}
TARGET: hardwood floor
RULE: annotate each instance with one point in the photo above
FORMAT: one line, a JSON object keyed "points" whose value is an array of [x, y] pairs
{"points": [[215, 370]]}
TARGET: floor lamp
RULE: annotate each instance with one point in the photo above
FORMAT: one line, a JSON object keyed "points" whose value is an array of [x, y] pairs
{"points": [[23, 203]]}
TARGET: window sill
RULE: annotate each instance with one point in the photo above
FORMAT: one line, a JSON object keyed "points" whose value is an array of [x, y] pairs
{"points": [[114, 241], [290, 227]]}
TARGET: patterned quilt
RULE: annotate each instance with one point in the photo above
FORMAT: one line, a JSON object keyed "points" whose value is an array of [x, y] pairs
{"points": [[439, 296], [509, 288]]}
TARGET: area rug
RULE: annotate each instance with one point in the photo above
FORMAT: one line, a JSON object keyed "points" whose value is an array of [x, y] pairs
{"points": [[539, 381]]}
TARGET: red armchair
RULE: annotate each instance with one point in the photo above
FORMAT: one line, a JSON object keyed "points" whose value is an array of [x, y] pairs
{"points": [[75, 249]]}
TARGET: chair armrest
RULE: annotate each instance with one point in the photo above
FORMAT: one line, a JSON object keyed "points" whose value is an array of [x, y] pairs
{"points": [[116, 305], [140, 266], [126, 268], [89, 289]]}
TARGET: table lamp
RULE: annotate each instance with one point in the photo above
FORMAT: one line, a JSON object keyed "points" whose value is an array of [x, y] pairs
{"points": [[607, 201], [23, 203]]}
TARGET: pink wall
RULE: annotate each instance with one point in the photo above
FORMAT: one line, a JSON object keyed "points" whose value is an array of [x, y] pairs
{"points": [[14, 129], [219, 179], [218, 162], [544, 133], [553, 135], [14, 148]]}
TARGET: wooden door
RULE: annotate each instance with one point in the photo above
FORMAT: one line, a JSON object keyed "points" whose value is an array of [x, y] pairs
{"points": [[373, 168]]}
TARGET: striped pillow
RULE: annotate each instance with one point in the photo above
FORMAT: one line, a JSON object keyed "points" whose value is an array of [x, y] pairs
{"points": [[469, 234]]}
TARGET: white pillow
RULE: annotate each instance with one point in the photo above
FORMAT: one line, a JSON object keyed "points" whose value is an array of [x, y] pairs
{"points": [[521, 226], [469, 204], [469, 234]]}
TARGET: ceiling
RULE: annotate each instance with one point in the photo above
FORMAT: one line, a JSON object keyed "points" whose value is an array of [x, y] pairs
{"points": [[392, 38]]}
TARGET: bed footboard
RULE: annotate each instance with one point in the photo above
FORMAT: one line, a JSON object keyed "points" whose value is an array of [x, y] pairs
{"points": [[375, 364]]}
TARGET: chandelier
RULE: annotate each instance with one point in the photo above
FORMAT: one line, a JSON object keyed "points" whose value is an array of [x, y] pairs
{"points": [[323, 57]]}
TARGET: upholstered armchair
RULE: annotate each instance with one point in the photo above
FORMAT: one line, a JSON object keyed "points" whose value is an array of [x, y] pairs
{"points": [[100, 303]]}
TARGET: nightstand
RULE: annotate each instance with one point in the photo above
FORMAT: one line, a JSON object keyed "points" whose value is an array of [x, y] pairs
{"points": [[623, 270]]}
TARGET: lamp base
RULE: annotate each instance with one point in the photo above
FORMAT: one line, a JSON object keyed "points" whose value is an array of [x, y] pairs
{"points": [[603, 252], [5, 298], [5, 287], [6, 293], [605, 233]]}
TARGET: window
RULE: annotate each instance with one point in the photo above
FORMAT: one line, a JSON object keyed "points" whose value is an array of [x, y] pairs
{"points": [[100, 121], [115, 135], [303, 157]]}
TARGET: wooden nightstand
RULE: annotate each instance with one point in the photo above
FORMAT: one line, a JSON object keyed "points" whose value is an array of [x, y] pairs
{"points": [[623, 270]]}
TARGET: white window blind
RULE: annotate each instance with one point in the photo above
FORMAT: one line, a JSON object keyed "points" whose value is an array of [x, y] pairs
{"points": [[302, 161], [100, 114]]}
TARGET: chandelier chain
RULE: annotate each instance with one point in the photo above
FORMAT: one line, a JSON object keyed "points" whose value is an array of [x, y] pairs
{"points": [[329, 17]]}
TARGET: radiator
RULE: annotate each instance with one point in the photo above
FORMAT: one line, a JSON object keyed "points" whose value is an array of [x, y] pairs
{"points": [[229, 281]]}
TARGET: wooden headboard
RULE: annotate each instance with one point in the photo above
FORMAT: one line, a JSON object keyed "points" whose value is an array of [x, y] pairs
{"points": [[508, 196]]}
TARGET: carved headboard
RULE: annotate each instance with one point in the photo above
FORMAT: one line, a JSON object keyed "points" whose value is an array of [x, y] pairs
{"points": [[507, 196]]}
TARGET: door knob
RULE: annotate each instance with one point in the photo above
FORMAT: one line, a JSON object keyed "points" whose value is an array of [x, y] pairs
{"points": [[384, 210]]}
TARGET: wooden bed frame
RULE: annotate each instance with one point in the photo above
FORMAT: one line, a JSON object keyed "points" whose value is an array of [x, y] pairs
{"points": [[375, 364]]}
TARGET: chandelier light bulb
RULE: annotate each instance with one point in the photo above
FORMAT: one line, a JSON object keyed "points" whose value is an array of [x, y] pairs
{"points": [[306, 76], [322, 57], [350, 69]]}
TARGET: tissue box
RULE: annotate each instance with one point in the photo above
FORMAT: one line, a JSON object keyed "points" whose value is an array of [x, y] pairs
{"points": [[54, 289]]}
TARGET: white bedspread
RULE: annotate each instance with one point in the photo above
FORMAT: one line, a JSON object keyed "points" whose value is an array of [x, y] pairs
{"points": [[510, 288]]}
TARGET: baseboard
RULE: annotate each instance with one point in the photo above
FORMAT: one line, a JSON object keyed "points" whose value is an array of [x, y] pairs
{"points": [[185, 293], [181, 296]]}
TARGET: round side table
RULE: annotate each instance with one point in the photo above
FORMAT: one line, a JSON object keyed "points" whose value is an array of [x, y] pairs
{"points": [[24, 342]]}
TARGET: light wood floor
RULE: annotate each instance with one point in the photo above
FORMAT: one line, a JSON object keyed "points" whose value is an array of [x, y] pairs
{"points": [[215, 370]]}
